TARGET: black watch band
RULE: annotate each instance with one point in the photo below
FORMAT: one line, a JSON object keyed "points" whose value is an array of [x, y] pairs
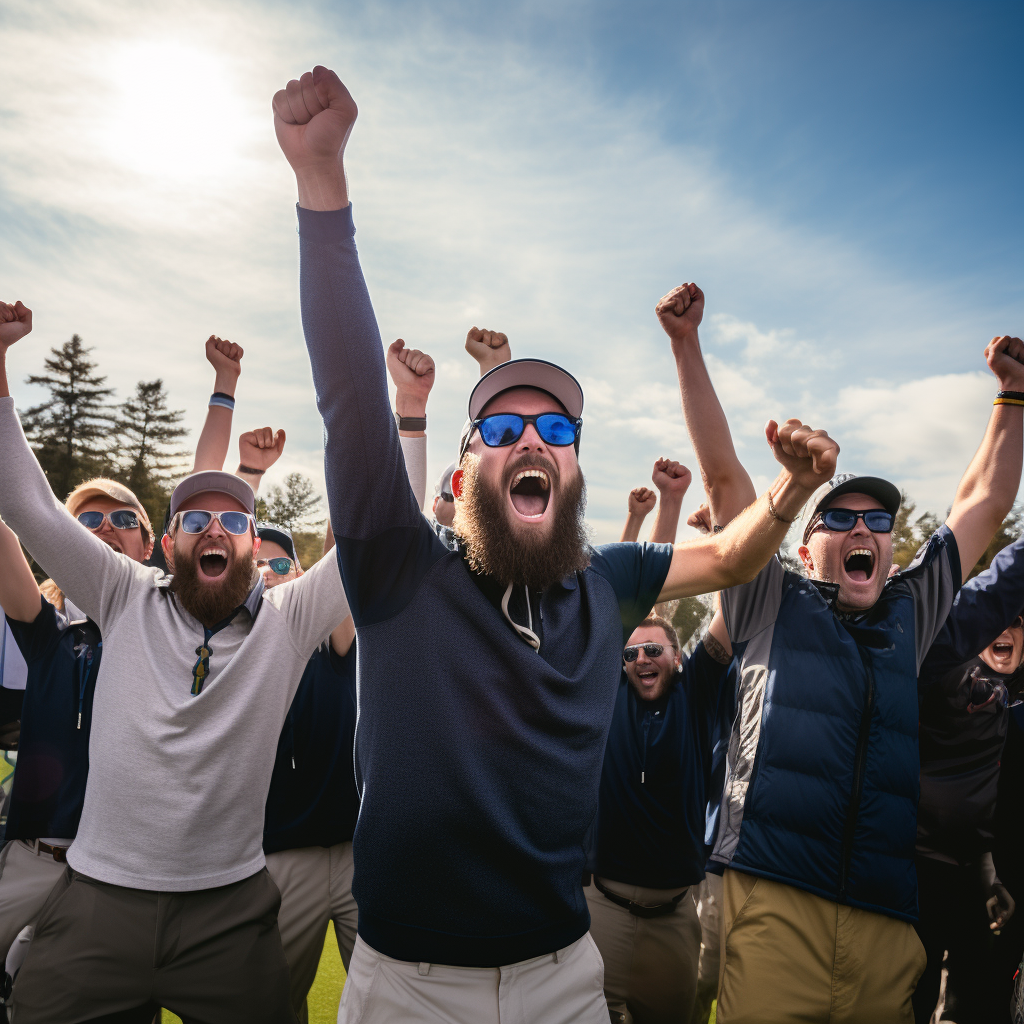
{"points": [[411, 422]]}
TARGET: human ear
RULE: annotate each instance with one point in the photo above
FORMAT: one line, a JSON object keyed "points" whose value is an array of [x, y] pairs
{"points": [[805, 556], [457, 483]]}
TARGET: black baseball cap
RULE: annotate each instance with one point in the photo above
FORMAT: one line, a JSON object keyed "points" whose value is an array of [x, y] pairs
{"points": [[886, 493]]}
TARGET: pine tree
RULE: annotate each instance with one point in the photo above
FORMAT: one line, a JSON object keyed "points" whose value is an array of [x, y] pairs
{"points": [[149, 457], [70, 432], [296, 507]]}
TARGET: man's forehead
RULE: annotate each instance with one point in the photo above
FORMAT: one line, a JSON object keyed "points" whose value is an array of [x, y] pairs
{"points": [[855, 501], [271, 549], [522, 400], [648, 635], [212, 501]]}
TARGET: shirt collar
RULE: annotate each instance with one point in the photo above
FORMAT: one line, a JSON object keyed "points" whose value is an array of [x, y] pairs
{"points": [[251, 604]]}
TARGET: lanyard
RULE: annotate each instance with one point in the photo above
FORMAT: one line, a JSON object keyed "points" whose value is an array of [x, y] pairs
{"points": [[84, 659], [201, 669]]}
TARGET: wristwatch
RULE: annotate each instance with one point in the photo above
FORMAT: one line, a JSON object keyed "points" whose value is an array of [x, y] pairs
{"points": [[411, 422]]}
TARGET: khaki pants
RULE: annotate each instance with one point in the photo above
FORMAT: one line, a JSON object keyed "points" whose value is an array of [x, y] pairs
{"points": [[560, 988], [650, 963], [107, 952], [709, 912], [316, 888], [789, 956], [26, 878]]}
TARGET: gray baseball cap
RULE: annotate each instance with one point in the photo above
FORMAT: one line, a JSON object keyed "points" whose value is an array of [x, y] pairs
{"points": [[280, 535], [883, 491], [213, 480], [528, 373]]}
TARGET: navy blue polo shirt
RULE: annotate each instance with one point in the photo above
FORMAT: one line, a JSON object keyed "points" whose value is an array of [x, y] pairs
{"points": [[313, 799], [56, 716], [650, 821]]}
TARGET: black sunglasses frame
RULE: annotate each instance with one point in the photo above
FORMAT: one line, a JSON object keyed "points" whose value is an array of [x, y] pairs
{"points": [[475, 427], [821, 520]]}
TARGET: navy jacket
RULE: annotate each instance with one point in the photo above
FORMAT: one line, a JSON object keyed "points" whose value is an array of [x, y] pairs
{"points": [[313, 799], [478, 758], [960, 750], [56, 716], [650, 820], [822, 777]]}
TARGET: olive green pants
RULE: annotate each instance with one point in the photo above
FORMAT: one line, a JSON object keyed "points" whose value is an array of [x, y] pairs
{"points": [[789, 956]]}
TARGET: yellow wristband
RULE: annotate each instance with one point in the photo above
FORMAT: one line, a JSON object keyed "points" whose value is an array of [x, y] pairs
{"points": [[1007, 401]]}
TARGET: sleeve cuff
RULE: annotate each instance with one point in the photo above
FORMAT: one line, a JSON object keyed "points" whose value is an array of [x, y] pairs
{"points": [[326, 226]]}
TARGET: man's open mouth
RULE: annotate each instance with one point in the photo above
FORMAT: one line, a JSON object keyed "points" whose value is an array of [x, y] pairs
{"points": [[1002, 648], [860, 564], [648, 677], [213, 563], [530, 492]]}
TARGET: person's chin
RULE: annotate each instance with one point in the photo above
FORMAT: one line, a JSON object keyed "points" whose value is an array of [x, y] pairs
{"points": [[859, 595]]}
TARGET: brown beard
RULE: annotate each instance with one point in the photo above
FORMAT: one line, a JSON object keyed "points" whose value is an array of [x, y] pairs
{"points": [[212, 604], [495, 544]]}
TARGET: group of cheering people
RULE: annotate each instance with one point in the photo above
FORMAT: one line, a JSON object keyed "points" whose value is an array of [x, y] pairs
{"points": [[497, 773]]}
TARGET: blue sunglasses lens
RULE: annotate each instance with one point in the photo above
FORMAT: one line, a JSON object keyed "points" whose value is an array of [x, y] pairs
{"points": [[556, 429], [91, 520], [124, 519], [878, 522], [842, 519], [501, 429], [281, 566], [234, 522], [195, 521]]}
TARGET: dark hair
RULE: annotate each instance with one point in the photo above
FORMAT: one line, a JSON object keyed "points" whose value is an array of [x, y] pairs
{"points": [[670, 631]]}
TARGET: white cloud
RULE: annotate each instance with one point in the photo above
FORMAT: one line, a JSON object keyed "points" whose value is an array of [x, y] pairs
{"points": [[506, 193]]}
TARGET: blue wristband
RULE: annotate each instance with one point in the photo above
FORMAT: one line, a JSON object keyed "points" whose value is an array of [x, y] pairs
{"points": [[219, 398]]}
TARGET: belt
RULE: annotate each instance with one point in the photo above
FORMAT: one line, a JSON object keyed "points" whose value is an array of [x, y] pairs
{"points": [[58, 853], [641, 909]]}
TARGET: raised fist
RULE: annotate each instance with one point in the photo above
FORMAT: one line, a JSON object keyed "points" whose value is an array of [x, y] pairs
{"points": [[671, 478], [15, 323], [260, 448], [488, 348], [681, 311], [313, 118], [1005, 358], [224, 356], [701, 519], [411, 370], [641, 501], [809, 455]]}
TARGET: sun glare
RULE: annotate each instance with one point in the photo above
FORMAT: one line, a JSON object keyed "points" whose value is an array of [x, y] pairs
{"points": [[175, 112]]}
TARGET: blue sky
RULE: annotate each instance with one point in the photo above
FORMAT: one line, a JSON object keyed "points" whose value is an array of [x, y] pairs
{"points": [[843, 180]]}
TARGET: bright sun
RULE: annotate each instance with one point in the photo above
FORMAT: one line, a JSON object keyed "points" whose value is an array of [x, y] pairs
{"points": [[176, 113]]}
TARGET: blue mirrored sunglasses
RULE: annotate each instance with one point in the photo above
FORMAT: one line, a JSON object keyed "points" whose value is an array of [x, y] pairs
{"points": [[505, 428], [120, 519], [281, 566], [197, 520], [842, 520]]}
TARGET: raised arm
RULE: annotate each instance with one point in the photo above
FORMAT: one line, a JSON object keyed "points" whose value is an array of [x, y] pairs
{"points": [[412, 373], [726, 483], [367, 489], [983, 608], [212, 448], [743, 548], [488, 348], [639, 505], [19, 595], [989, 487], [93, 575], [672, 480], [258, 450]]}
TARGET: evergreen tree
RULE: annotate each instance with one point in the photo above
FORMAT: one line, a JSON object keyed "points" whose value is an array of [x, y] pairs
{"points": [[70, 431], [297, 506], [149, 456]]}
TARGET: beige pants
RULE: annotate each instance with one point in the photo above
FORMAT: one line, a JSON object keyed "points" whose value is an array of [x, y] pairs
{"points": [[560, 988], [709, 912], [26, 878], [650, 963], [316, 888], [789, 956]]}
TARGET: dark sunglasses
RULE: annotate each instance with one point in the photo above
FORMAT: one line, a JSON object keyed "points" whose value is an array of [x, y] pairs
{"points": [[197, 520], [120, 519], [984, 690], [280, 566], [630, 654], [505, 428], [842, 520]]}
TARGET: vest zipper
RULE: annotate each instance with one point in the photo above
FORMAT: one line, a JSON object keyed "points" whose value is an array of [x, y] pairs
{"points": [[858, 770]]}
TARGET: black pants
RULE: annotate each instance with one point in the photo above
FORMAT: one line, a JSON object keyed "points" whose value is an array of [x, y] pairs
{"points": [[953, 917], [106, 953]]}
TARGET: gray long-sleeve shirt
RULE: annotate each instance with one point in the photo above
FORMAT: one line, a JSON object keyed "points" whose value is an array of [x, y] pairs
{"points": [[177, 783]]}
